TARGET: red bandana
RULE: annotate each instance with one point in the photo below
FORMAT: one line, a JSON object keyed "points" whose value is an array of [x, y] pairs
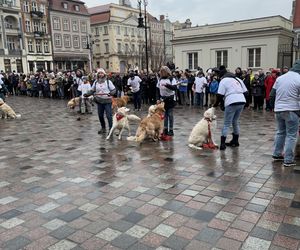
{"points": [[162, 117], [119, 117]]}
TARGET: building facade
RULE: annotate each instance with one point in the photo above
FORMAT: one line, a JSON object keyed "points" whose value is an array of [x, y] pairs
{"points": [[168, 37], [12, 54], [36, 33], [118, 45], [70, 29], [257, 43], [295, 18]]}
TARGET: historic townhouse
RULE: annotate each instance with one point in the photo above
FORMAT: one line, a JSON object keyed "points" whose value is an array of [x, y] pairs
{"points": [[37, 37], [260, 43], [70, 29], [12, 54]]}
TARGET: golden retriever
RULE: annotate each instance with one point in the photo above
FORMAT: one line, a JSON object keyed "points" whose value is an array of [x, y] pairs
{"points": [[150, 127], [7, 111], [121, 122], [76, 101], [120, 102], [200, 134]]}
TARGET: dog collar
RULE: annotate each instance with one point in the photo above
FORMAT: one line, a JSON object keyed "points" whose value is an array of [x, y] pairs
{"points": [[208, 119], [162, 117], [119, 117]]}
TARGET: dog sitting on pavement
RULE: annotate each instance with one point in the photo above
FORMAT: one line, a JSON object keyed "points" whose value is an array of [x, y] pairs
{"points": [[121, 122], [202, 134], [7, 111]]}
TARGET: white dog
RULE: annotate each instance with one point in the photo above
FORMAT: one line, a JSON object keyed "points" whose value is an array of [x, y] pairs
{"points": [[204, 130], [7, 111], [121, 122]]}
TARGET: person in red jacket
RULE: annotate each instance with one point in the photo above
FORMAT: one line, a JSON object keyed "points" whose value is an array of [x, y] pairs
{"points": [[269, 82]]}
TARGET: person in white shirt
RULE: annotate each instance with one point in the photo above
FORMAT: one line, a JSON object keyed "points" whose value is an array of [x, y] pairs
{"points": [[85, 88], [199, 88], [167, 87], [134, 83], [231, 90], [286, 92]]}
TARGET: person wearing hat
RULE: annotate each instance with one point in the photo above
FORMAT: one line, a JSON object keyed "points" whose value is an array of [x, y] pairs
{"points": [[232, 91], [134, 83], [103, 90], [286, 94], [269, 82]]}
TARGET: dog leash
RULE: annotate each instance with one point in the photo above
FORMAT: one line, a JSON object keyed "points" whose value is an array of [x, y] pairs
{"points": [[209, 143]]}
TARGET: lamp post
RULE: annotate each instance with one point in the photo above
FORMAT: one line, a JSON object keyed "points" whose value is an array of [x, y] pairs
{"points": [[89, 46], [141, 25]]}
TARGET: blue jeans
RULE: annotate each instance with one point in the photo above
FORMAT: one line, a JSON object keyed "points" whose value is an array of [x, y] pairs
{"points": [[169, 119], [137, 100], [231, 117], [199, 99], [286, 135], [108, 111]]}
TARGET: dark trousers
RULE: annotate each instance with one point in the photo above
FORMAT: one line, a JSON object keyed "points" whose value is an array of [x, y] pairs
{"points": [[137, 100], [169, 119], [258, 102], [108, 111]]}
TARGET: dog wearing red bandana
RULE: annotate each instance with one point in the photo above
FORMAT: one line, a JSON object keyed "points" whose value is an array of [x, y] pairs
{"points": [[121, 122]]}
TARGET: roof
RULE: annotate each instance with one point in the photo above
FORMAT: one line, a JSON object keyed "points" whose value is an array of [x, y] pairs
{"points": [[57, 5], [100, 18], [99, 9]]}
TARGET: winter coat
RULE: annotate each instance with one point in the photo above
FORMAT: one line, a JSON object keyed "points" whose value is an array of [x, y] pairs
{"points": [[269, 82], [53, 85], [257, 87]]}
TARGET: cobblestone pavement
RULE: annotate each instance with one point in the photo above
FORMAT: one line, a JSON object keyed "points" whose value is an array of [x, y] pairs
{"points": [[64, 187]]}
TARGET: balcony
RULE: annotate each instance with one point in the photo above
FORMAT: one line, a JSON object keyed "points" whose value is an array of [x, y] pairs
{"points": [[36, 14], [12, 31], [39, 33], [15, 52], [6, 3]]}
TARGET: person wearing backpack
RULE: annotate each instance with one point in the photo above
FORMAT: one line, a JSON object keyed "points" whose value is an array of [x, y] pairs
{"points": [[213, 90], [103, 91]]}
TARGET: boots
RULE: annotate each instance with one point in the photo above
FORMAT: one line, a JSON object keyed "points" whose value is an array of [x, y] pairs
{"points": [[234, 142], [166, 132], [223, 145]]}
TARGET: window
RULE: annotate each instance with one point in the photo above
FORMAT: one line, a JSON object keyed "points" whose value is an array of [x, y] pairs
{"points": [[27, 26], [65, 6], [30, 46], [34, 6], [66, 24], [118, 30], [133, 48], [56, 23], [38, 46], [57, 40], [44, 27], [126, 48], [119, 47], [105, 30], [83, 27], [84, 42], [107, 64], [11, 43], [222, 58], [193, 61], [26, 6], [106, 48], [97, 31], [76, 42], [46, 47], [126, 31], [42, 8], [75, 25], [35, 26], [8, 23], [67, 41], [132, 32], [254, 58], [77, 8]]}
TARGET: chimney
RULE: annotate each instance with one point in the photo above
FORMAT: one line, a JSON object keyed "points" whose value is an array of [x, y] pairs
{"points": [[162, 17]]}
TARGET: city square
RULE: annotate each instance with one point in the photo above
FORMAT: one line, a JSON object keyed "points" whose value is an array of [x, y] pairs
{"points": [[63, 186]]}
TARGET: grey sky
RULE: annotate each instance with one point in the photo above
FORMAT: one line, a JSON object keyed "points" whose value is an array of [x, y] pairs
{"points": [[212, 11]]}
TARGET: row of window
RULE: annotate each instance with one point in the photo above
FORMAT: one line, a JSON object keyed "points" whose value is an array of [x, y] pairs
{"points": [[27, 7], [35, 26], [126, 31], [67, 41], [66, 24], [38, 46], [254, 58], [66, 6]]}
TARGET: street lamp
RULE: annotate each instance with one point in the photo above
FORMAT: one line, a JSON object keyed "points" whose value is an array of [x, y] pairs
{"points": [[89, 46], [141, 25]]}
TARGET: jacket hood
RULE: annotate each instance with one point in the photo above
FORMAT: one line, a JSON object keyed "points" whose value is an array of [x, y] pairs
{"points": [[296, 67]]}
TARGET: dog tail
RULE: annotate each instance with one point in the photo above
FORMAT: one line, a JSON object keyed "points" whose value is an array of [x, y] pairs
{"points": [[133, 118], [131, 138], [18, 116], [195, 147], [141, 135]]}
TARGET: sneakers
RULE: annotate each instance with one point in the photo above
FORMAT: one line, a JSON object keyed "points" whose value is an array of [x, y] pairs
{"points": [[277, 158], [171, 133], [289, 164], [102, 131]]}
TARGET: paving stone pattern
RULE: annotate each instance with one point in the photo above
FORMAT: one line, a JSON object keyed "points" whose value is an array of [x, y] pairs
{"points": [[63, 186]]}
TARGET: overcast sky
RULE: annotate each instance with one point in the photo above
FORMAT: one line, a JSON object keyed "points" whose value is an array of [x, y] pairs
{"points": [[211, 11]]}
